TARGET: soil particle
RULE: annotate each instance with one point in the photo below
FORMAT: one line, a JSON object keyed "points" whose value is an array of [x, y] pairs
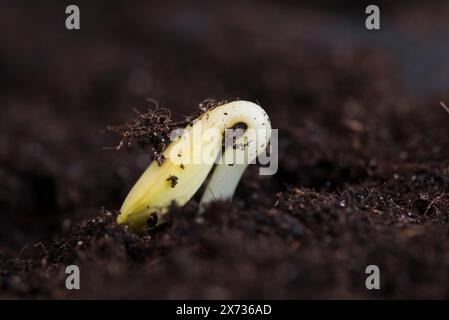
{"points": [[152, 221], [173, 181]]}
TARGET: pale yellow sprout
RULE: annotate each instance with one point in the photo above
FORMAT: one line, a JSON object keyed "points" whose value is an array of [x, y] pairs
{"points": [[190, 158]]}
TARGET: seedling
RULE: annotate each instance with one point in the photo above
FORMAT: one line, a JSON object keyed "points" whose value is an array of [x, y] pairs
{"points": [[190, 157]]}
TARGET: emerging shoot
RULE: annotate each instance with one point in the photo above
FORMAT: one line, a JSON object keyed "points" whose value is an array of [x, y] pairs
{"points": [[190, 157]]}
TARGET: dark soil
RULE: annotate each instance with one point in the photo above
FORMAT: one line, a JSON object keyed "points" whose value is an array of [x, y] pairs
{"points": [[363, 149]]}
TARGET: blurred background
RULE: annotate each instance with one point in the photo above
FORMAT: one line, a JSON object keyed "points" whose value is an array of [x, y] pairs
{"points": [[341, 95]]}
